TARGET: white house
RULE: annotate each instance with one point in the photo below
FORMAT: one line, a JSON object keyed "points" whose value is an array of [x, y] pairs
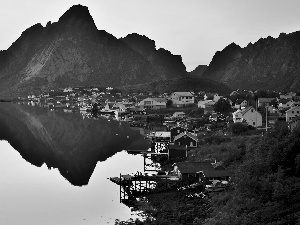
{"points": [[240, 103], [217, 97], [178, 114], [292, 113], [68, 89], [248, 114], [153, 103], [180, 99]]}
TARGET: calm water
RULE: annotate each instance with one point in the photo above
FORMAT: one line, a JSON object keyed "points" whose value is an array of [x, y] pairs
{"points": [[57, 170]]}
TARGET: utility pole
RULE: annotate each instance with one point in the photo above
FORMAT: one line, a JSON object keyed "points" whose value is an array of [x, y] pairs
{"points": [[266, 119]]}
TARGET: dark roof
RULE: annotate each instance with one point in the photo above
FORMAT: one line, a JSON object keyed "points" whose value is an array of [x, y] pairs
{"points": [[216, 173], [193, 167], [265, 100], [206, 167]]}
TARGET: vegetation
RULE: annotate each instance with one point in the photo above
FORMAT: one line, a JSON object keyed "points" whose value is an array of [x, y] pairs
{"points": [[266, 182]]}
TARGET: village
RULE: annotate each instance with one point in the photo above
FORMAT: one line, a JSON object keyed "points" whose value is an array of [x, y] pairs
{"points": [[177, 125], [180, 121]]}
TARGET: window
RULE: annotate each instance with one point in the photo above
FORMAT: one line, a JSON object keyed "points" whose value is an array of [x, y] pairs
{"points": [[293, 112], [253, 123], [191, 144], [251, 110]]}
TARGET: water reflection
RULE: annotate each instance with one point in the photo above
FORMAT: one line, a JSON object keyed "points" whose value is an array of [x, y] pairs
{"points": [[31, 195], [65, 140]]}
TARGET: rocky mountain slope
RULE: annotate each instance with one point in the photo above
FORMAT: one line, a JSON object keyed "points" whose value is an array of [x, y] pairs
{"points": [[74, 52], [198, 71], [269, 64]]}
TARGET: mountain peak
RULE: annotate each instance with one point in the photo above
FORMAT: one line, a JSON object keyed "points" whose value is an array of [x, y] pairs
{"points": [[77, 12]]}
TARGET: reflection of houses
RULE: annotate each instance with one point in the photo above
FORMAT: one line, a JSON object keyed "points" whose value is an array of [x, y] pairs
{"points": [[200, 172], [249, 114], [292, 113], [153, 103], [180, 99]]}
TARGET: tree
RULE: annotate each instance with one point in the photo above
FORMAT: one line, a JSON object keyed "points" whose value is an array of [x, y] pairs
{"points": [[238, 128], [222, 106], [169, 103]]}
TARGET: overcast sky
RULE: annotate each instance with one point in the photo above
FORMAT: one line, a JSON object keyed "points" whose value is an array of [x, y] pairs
{"points": [[194, 29]]}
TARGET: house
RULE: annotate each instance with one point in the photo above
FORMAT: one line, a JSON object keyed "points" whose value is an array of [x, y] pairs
{"points": [[240, 103], [203, 172], [285, 103], [161, 135], [175, 131], [209, 109], [178, 151], [180, 99], [287, 96], [178, 115], [292, 124], [217, 97], [69, 89], [186, 138], [291, 113], [263, 102], [137, 111], [204, 103], [153, 103], [248, 114]]}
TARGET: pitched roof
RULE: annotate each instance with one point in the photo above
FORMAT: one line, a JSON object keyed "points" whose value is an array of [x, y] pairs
{"points": [[186, 134], [206, 167], [243, 111], [239, 101], [293, 108], [265, 100], [193, 167], [159, 99], [184, 94]]}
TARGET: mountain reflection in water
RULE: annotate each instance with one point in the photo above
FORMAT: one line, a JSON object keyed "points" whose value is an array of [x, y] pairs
{"points": [[65, 140]]}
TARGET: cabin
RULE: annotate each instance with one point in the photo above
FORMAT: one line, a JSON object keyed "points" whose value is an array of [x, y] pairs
{"points": [[203, 172], [187, 139], [178, 151], [176, 130]]}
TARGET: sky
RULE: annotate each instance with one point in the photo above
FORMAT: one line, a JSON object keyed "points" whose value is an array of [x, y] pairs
{"points": [[194, 29]]}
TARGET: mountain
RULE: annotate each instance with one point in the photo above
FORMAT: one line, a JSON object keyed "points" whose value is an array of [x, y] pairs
{"points": [[198, 71], [269, 64], [163, 60], [73, 52]]}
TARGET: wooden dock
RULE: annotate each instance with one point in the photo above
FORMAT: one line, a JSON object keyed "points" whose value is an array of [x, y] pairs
{"points": [[132, 186]]}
